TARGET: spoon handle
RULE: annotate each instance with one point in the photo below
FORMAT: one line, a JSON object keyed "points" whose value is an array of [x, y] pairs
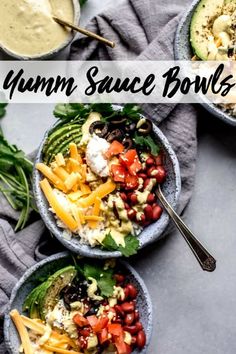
{"points": [[84, 31], [205, 259]]}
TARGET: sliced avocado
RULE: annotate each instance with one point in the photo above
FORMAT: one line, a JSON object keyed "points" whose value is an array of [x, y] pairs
{"points": [[62, 147], [31, 303], [205, 11], [60, 131], [29, 299], [60, 139], [49, 295], [34, 306]]}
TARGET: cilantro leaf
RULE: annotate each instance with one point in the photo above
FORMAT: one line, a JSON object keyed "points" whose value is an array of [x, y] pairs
{"points": [[105, 109], [67, 112], [148, 142], [131, 245], [15, 180], [71, 111], [132, 111], [104, 278], [109, 243], [2, 109], [82, 2]]}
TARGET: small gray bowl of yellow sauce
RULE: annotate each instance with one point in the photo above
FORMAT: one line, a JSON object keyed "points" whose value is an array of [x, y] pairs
{"points": [[28, 31]]}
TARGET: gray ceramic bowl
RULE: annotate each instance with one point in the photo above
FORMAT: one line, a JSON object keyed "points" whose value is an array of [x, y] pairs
{"points": [[153, 232], [183, 51], [52, 264], [54, 52]]}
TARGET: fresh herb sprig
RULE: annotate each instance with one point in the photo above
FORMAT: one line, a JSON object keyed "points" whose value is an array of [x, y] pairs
{"points": [[2, 109], [147, 142], [104, 277], [15, 180], [82, 2], [131, 245], [67, 112]]}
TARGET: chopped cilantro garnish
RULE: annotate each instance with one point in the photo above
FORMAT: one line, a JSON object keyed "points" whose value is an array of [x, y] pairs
{"points": [[2, 109], [68, 112], [131, 245], [104, 277], [82, 2], [148, 142]]}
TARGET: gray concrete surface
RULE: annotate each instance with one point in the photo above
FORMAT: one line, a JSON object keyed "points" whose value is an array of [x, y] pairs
{"points": [[194, 312]]}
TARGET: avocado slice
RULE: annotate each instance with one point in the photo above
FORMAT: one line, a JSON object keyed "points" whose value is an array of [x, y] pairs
{"points": [[205, 11], [65, 136], [34, 308], [31, 303], [64, 142], [29, 299], [65, 129], [49, 294]]}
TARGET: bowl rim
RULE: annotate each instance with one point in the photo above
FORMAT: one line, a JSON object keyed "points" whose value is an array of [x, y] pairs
{"points": [[210, 107], [29, 272], [96, 252], [52, 53]]}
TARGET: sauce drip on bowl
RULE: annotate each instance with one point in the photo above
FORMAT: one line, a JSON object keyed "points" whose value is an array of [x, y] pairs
{"points": [[27, 27]]}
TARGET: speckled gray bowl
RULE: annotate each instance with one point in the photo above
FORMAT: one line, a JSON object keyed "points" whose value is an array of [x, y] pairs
{"points": [[183, 51], [54, 52], [153, 232], [52, 264]]}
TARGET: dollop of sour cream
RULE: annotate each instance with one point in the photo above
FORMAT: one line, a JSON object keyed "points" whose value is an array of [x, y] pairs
{"points": [[95, 156]]}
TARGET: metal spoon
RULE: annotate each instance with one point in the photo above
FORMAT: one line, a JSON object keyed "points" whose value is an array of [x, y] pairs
{"points": [[205, 259], [84, 31]]}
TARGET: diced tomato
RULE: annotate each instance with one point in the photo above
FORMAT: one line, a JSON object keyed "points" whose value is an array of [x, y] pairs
{"points": [[92, 320], [131, 161], [135, 167], [122, 160], [131, 182], [129, 157], [118, 173], [85, 332], [115, 329], [80, 320], [120, 345], [101, 324], [115, 148], [103, 336]]}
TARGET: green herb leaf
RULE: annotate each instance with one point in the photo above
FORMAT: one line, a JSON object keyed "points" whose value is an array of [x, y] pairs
{"points": [[82, 2], [131, 245], [109, 243], [67, 112], [148, 142], [15, 180], [105, 109], [2, 109], [131, 111], [104, 278]]}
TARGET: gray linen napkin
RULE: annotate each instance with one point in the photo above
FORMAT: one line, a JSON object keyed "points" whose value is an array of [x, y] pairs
{"points": [[142, 30]]}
